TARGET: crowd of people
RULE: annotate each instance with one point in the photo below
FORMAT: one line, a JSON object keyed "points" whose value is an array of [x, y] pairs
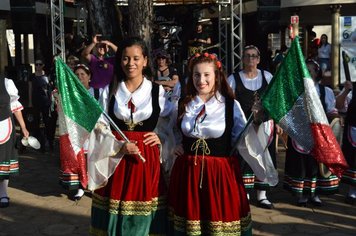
{"points": [[207, 189]]}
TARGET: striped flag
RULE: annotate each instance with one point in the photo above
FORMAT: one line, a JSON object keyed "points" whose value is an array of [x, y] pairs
{"points": [[78, 113], [292, 101]]}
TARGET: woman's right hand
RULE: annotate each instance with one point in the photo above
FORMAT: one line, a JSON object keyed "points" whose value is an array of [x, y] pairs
{"points": [[130, 148]]}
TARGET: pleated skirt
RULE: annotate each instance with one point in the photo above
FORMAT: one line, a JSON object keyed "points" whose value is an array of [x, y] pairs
{"points": [[134, 200], [207, 197]]}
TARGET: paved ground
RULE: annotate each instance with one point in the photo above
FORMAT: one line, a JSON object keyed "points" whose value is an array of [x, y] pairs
{"points": [[39, 206]]}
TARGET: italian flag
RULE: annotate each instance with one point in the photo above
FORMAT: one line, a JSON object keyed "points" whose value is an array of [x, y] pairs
{"points": [[292, 101], [78, 113]]}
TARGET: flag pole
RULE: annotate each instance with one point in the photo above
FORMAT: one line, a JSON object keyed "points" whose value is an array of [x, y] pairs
{"points": [[248, 122], [121, 133]]}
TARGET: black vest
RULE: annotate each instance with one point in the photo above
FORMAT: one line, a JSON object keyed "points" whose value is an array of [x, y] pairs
{"points": [[220, 147], [147, 125], [5, 108], [245, 96]]}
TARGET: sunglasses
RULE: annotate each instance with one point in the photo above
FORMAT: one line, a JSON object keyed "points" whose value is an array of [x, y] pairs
{"points": [[38, 64]]}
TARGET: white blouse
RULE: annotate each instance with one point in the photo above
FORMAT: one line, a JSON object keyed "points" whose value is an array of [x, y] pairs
{"points": [[212, 124], [14, 95], [141, 98], [252, 84]]}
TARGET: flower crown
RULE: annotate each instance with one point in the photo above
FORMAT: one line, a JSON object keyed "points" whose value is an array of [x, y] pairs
{"points": [[211, 56]]}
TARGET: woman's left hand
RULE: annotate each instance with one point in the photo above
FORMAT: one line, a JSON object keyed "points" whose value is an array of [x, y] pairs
{"points": [[151, 139]]}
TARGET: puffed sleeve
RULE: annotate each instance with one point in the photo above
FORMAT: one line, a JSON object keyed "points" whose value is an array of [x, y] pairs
{"points": [[14, 95], [239, 122]]}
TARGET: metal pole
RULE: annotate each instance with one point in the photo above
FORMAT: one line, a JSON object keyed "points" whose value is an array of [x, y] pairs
{"points": [[121, 133]]}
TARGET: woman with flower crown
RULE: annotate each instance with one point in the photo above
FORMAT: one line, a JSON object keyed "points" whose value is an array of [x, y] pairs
{"points": [[206, 192]]}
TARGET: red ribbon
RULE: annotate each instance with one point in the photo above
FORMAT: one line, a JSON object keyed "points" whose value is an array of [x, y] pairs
{"points": [[131, 106]]}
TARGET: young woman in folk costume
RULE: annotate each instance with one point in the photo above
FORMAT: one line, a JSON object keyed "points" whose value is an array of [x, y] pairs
{"points": [[303, 177], [132, 201], [206, 192], [9, 106]]}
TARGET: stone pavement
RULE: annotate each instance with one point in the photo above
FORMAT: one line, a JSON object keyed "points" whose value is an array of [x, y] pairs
{"points": [[39, 206]]}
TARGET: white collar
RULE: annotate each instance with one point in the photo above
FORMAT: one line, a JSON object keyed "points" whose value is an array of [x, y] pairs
{"points": [[197, 102], [138, 96]]}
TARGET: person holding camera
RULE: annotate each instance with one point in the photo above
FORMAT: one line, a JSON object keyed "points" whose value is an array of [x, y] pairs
{"points": [[101, 64]]}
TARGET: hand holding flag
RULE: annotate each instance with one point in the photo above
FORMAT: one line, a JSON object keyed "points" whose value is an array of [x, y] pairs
{"points": [[78, 114]]}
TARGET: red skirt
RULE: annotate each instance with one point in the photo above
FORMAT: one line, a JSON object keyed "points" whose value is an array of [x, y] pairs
{"points": [[134, 196], [207, 196]]}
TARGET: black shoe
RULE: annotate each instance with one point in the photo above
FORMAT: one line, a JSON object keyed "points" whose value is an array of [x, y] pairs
{"points": [[265, 205], [4, 204]]}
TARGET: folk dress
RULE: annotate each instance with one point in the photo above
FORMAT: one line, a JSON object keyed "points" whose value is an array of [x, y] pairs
{"points": [[206, 191], [134, 200], [9, 103]]}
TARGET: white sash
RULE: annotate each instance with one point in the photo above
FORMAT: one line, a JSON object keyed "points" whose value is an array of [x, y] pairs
{"points": [[5, 130]]}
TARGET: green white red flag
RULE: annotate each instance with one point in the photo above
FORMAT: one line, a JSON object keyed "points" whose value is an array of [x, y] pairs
{"points": [[78, 112], [292, 101]]}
